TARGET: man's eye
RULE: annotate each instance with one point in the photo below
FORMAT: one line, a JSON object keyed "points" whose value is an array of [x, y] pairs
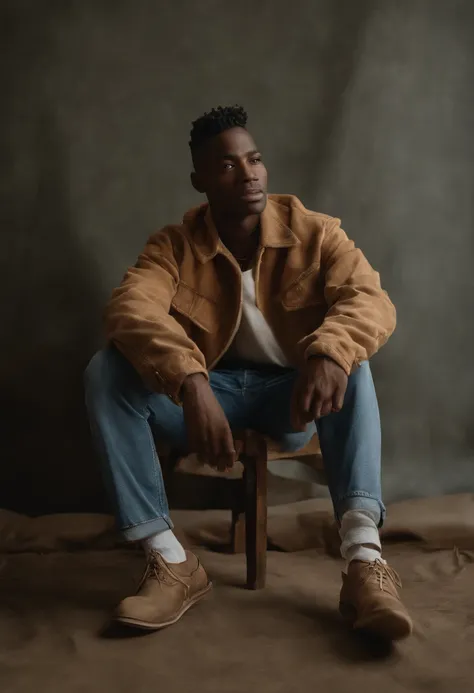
{"points": [[256, 159], [228, 166]]}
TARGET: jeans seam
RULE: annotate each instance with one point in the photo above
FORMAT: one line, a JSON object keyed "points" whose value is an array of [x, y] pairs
{"points": [[108, 481], [226, 389], [159, 496]]}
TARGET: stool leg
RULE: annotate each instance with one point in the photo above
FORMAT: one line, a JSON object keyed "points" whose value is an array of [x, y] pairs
{"points": [[238, 532], [255, 476]]}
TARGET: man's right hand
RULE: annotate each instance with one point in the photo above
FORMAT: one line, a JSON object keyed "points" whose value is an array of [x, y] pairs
{"points": [[209, 434]]}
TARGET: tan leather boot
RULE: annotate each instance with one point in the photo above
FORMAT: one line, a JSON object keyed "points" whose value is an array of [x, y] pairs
{"points": [[370, 600], [166, 592]]}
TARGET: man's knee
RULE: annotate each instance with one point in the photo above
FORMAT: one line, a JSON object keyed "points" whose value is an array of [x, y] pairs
{"points": [[361, 386], [292, 442], [95, 374], [361, 374], [105, 373]]}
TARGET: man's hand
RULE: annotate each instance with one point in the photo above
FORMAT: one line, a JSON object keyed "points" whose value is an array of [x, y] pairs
{"points": [[319, 390], [209, 434]]}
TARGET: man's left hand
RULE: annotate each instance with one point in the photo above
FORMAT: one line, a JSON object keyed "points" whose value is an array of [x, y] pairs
{"points": [[319, 390]]}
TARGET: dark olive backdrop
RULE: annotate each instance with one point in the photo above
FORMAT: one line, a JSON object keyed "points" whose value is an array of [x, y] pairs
{"points": [[363, 109]]}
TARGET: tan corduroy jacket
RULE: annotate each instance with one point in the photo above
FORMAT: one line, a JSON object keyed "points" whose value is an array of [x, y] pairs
{"points": [[177, 310]]}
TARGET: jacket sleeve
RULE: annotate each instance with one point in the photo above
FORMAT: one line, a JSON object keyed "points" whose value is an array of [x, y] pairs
{"points": [[360, 316], [138, 320]]}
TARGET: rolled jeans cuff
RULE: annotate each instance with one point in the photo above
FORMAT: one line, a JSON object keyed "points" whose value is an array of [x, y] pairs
{"points": [[361, 501], [146, 529]]}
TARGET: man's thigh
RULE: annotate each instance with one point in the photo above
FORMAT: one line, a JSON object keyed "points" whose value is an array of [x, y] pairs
{"points": [[272, 416]]}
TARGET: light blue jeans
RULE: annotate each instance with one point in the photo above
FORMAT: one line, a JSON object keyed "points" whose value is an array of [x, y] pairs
{"points": [[126, 417]]}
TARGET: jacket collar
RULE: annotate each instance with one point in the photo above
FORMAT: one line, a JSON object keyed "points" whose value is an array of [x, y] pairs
{"points": [[274, 232]]}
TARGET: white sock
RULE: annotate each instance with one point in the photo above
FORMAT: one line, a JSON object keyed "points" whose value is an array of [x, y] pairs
{"points": [[166, 544], [360, 537]]}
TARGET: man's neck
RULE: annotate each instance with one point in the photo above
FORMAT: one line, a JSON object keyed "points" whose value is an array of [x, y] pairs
{"points": [[236, 234]]}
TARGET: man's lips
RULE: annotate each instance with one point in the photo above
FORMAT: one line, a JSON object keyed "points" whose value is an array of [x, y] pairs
{"points": [[252, 195]]}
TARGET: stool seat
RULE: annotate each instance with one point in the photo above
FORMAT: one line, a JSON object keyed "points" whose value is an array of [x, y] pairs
{"points": [[191, 464]]}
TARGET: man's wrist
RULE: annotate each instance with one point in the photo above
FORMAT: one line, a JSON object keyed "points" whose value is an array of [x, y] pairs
{"points": [[193, 382], [318, 357]]}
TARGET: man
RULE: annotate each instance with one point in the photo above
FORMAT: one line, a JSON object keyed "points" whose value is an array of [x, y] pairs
{"points": [[253, 313]]}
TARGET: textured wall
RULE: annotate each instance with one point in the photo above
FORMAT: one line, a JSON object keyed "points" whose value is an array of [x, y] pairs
{"points": [[363, 109]]}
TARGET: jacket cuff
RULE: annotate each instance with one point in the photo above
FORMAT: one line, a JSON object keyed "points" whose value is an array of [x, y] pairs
{"points": [[320, 349], [178, 368]]}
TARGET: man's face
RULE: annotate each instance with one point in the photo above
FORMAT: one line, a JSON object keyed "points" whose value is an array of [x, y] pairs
{"points": [[230, 171]]}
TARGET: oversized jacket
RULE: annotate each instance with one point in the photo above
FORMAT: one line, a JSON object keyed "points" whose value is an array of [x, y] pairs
{"points": [[177, 310]]}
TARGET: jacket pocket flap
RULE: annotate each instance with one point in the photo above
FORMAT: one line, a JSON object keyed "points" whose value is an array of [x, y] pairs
{"points": [[305, 291], [199, 309]]}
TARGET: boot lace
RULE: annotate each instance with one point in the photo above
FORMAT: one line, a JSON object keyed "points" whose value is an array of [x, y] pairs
{"points": [[156, 571], [385, 576]]}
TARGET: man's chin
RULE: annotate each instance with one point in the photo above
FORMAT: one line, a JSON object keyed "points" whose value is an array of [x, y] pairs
{"points": [[255, 207]]}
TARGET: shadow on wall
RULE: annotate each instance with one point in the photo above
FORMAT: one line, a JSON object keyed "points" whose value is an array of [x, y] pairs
{"points": [[336, 66], [50, 308]]}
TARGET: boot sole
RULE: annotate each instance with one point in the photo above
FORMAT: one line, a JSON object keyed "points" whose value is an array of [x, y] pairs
{"points": [[390, 625], [146, 625]]}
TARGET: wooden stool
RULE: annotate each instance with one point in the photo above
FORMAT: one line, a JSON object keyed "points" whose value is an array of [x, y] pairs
{"points": [[249, 500]]}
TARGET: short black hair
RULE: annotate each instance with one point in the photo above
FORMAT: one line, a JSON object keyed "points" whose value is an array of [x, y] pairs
{"points": [[216, 121]]}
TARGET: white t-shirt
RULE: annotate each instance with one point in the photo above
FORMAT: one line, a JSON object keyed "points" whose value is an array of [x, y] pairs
{"points": [[254, 341]]}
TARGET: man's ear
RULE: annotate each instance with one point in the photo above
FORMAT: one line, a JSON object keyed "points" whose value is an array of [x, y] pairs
{"points": [[197, 183]]}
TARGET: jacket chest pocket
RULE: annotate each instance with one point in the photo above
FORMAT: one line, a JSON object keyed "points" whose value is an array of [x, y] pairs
{"points": [[200, 310], [306, 291]]}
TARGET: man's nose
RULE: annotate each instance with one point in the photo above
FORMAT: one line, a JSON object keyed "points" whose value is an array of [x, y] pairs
{"points": [[249, 173]]}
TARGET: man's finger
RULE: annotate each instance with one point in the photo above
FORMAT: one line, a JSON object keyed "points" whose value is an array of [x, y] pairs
{"points": [[231, 449], [199, 446], [218, 462], [297, 421], [226, 453], [206, 457], [202, 459], [326, 407], [307, 396], [318, 403], [338, 400], [303, 413], [226, 461], [295, 409]]}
